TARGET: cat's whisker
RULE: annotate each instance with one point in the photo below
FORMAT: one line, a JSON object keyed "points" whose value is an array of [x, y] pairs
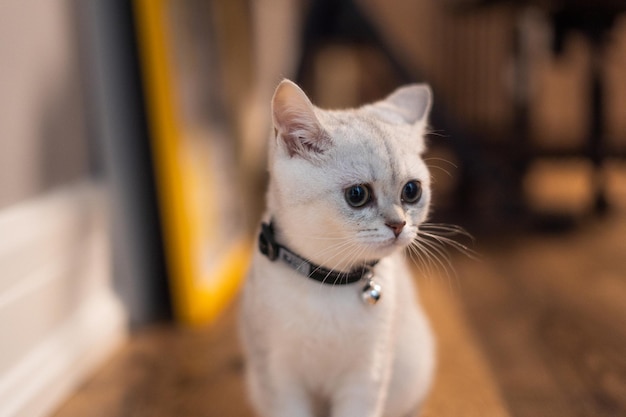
{"points": [[356, 254], [470, 253], [433, 255], [335, 252], [440, 254], [342, 252], [351, 255], [433, 132], [433, 166], [436, 237], [417, 260], [423, 262], [444, 229], [445, 171], [338, 251], [440, 259], [434, 158], [337, 244], [351, 250]]}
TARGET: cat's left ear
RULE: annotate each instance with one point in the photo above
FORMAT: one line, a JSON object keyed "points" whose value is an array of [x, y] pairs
{"points": [[411, 102]]}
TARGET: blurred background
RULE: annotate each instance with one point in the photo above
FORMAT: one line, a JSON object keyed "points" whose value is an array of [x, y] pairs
{"points": [[132, 173]]}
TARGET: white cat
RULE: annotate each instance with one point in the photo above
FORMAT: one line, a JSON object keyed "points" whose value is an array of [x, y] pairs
{"points": [[330, 322]]}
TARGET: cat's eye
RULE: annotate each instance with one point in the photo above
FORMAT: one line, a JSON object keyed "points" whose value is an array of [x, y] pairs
{"points": [[412, 192], [358, 195]]}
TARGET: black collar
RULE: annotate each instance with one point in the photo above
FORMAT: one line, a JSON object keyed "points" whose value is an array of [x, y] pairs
{"points": [[273, 250]]}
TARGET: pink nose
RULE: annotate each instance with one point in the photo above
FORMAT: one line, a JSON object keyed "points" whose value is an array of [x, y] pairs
{"points": [[396, 227]]}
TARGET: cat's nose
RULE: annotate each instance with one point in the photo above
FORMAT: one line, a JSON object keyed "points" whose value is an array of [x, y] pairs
{"points": [[396, 227]]}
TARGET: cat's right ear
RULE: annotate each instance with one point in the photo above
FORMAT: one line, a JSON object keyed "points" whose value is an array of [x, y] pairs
{"points": [[295, 122]]}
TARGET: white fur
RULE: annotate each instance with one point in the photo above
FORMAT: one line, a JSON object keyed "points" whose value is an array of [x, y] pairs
{"points": [[316, 350]]}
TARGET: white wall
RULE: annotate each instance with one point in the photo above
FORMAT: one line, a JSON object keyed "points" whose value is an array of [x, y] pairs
{"points": [[59, 317], [42, 116]]}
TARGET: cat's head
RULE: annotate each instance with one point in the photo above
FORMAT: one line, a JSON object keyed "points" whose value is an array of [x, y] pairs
{"points": [[348, 186]]}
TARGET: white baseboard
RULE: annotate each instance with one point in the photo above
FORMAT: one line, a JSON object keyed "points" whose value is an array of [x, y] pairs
{"points": [[59, 317]]}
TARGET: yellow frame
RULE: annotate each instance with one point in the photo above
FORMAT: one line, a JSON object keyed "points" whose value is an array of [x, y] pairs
{"points": [[196, 299]]}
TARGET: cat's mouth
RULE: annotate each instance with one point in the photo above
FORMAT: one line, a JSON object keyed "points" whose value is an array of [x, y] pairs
{"points": [[380, 244], [391, 244]]}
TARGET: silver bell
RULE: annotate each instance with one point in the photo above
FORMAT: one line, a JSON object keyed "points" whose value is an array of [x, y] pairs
{"points": [[371, 292]]}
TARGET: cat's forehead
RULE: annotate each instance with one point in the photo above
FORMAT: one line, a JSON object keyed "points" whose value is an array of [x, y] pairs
{"points": [[362, 128], [369, 149]]}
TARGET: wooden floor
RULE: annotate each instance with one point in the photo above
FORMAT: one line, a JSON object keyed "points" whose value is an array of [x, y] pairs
{"points": [[537, 328], [550, 313], [170, 371]]}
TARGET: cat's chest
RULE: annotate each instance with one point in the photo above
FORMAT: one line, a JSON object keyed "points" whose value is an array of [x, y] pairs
{"points": [[310, 313]]}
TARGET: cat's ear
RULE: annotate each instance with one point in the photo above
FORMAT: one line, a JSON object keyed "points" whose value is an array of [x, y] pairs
{"points": [[411, 102], [295, 121]]}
